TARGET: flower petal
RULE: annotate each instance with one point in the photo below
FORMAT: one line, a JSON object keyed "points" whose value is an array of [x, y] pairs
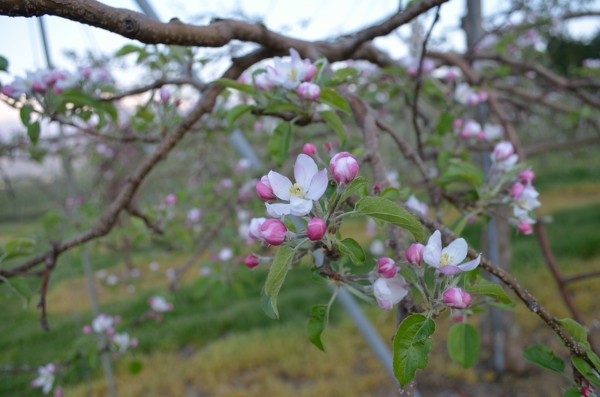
{"points": [[305, 169], [300, 206], [449, 270], [281, 185], [278, 210], [456, 251], [318, 185], [433, 250], [468, 266]]}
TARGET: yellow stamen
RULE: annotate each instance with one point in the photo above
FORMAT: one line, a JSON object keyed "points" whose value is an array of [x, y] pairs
{"points": [[297, 191], [446, 259]]}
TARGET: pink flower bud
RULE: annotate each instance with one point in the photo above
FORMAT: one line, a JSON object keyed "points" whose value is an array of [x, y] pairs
{"points": [[164, 95], [309, 91], [414, 254], [482, 96], [171, 200], [525, 228], [309, 149], [516, 191], [264, 189], [386, 267], [458, 124], [377, 188], [328, 147], [134, 343], [587, 391], [316, 229], [273, 231], [59, 392], [87, 330], [503, 151], [527, 176], [39, 86], [457, 298], [251, 261], [344, 167]]}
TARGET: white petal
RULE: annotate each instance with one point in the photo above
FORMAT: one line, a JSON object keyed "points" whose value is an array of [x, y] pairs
{"points": [[277, 210], [305, 169], [281, 185], [300, 206], [468, 266], [457, 251], [318, 185], [433, 250]]}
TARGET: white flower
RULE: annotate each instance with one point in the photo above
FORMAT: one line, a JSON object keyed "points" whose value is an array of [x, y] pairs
{"points": [[310, 186], [45, 378], [225, 254], [414, 204], [159, 304], [123, 341], [289, 74], [491, 132], [389, 291], [103, 323], [447, 260]]}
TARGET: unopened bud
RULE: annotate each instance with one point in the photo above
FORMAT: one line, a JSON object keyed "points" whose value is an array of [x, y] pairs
{"points": [[316, 229], [457, 298]]}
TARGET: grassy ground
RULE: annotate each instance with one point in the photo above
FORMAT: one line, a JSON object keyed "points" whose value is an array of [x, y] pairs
{"points": [[218, 342]]}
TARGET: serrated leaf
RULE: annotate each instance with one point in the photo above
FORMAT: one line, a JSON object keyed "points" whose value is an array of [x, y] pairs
{"points": [[236, 85], [464, 344], [586, 370], [276, 277], [33, 132], [545, 358], [576, 330], [279, 143], [388, 211], [351, 249], [330, 97], [236, 113], [354, 187], [18, 247], [334, 121], [461, 171], [487, 288], [317, 324], [412, 345]]}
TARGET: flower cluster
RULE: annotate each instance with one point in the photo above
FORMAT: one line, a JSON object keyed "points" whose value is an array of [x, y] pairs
{"points": [[45, 379], [105, 326], [465, 95], [470, 129], [389, 287]]}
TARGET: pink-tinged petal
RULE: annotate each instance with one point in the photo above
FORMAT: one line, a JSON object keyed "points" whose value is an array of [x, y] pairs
{"points": [[468, 266], [277, 210], [280, 184], [456, 251], [449, 270], [433, 250], [305, 169], [300, 206], [318, 185]]}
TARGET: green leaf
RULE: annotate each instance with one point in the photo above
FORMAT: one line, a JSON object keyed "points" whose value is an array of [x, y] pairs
{"points": [[19, 287], [412, 345], [33, 131], [351, 249], [3, 64], [487, 288], [393, 194], [276, 276], [317, 324], [343, 75], [460, 224], [463, 344], [334, 121], [236, 85], [576, 330], [18, 247], [135, 367], [444, 124], [236, 113], [385, 210], [25, 114], [586, 370], [545, 358], [128, 49], [461, 171], [279, 143], [572, 392], [330, 97], [355, 187]]}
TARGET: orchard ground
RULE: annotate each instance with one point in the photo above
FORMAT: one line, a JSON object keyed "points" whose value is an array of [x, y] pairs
{"points": [[218, 342]]}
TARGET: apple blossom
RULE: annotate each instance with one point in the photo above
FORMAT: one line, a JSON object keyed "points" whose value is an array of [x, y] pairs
{"points": [[123, 341], [159, 304], [194, 215], [414, 253], [310, 186], [59, 392], [316, 229], [389, 291], [254, 229], [45, 378], [447, 260], [164, 95], [344, 167], [225, 254], [525, 196], [273, 231], [503, 156], [470, 129], [457, 298], [264, 189], [527, 176], [251, 261], [525, 227], [414, 204], [171, 200], [288, 74], [103, 324], [377, 247], [309, 91], [386, 267]]}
